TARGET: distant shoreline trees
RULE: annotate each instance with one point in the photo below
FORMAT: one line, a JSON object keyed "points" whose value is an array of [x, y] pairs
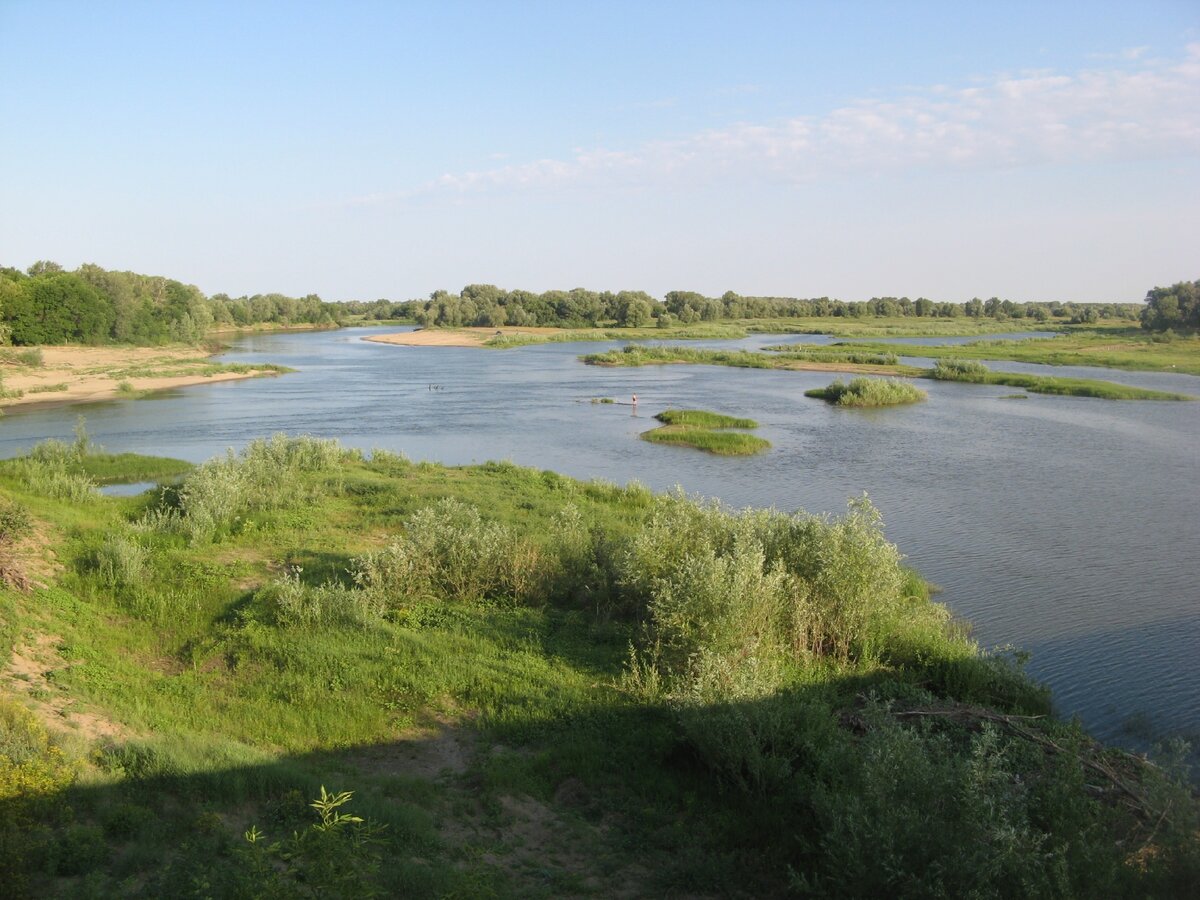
{"points": [[92, 305]]}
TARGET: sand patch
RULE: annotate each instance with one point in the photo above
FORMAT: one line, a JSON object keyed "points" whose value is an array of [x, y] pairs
{"points": [[28, 675], [455, 337], [428, 752], [85, 374]]}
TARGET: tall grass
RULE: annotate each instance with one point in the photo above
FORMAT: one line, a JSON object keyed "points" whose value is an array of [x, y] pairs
{"points": [[264, 476], [862, 392]]}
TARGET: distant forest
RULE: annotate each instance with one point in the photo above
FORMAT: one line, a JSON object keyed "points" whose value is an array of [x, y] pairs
{"points": [[490, 306], [91, 305]]}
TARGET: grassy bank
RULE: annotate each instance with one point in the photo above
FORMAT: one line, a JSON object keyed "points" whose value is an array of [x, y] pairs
{"points": [[533, 686], [1108, 347], [824, 360], [714, 331], [863, 392], [706, 431], [952, 369], [860, 360], [896, 326]]}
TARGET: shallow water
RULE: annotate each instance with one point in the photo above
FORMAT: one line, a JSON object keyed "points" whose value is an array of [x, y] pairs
{"points": [[1066, 526]]}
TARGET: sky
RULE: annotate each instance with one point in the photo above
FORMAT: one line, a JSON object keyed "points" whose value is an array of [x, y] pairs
{"points": [[1027, 150]]}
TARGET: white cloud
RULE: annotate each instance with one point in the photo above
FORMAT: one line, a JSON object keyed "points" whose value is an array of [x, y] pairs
{"points": [[1148, 111]]}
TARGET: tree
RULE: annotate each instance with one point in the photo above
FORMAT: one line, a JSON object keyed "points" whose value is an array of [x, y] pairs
{"points": [[1175, 307], [57, 309]]}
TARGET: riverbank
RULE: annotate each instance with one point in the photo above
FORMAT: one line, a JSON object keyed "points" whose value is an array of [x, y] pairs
{"points": [[523, 679], [49, 376]]}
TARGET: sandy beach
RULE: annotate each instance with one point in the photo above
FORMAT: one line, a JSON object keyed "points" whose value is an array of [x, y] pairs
{"points": [[453, 337], [70, 374]]}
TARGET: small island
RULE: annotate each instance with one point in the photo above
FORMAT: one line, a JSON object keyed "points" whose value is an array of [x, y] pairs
{"points": [[863, 392], [706, 431]]}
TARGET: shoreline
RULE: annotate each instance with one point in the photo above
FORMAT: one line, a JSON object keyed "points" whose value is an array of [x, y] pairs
{"points": [[74, 374]]}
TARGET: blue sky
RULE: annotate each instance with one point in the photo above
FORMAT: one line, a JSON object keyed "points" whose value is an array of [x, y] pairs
{"points": [[1025, 150]]}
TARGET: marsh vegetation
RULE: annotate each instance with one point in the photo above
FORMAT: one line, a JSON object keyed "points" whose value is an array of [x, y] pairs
{"points": [[864, 392]]}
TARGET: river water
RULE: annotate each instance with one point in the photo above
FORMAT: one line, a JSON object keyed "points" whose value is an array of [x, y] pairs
{"points": [[1065, 526]]}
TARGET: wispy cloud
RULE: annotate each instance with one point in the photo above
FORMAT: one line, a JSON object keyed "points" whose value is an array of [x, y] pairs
{"points": [[1144, 111]]}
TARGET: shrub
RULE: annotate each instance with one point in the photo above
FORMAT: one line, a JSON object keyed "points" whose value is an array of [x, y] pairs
{"points": [[291, 602], [951, 369], [448, 551], [869, 392]]}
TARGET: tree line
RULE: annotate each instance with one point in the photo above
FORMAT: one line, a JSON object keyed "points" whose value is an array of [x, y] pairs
{"points": [[46, 304], [486, 305], [91, 305]]}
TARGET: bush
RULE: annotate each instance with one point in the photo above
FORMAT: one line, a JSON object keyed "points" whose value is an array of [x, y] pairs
{"points": [[869, 392], [291, 602], [449, 552], [951, 369]]}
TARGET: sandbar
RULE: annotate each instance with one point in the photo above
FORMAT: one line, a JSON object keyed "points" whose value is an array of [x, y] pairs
{"points": [[97, 373]]}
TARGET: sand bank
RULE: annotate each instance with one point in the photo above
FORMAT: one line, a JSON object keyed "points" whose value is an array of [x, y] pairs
{"points": [[86, 374]]}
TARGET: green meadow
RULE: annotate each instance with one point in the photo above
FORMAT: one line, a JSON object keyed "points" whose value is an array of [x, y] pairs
{"points": [[302, 670]]}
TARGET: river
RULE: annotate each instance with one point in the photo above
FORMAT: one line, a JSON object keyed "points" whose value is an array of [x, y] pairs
{"points": [[1065, 526]]}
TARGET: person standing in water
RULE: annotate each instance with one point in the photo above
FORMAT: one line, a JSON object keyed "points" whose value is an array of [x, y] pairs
{"points": [[635, 399]]}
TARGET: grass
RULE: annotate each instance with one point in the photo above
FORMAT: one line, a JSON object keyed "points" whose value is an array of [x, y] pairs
{"points": [[702, 419], [1114, 347], [713, 331], [746, 359], [706, 431], [952, 369], [901, 326], [864, 392], [833, 354], [26, 356], [541, 687], [48, 388]]}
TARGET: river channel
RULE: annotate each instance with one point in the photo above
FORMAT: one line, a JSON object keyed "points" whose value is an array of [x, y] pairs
{"points": [[1065, 526]]}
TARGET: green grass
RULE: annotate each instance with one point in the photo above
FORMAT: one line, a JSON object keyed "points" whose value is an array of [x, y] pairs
{"points": [[902, 326], [48, 388], [722, 443], [707, 431], [866, 392], [26, 356], [952, 369], [703, 419], [713, 331], [832, 354], [746, 359], [540, 686], [1112, 347]]}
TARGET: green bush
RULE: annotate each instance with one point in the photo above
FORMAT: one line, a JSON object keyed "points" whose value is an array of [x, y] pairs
{"points": [[869, 392], [951, 369], [450, 552]]}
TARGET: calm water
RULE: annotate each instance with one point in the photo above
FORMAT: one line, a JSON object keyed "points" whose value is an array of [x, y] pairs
{"points": [[1065, 526]]}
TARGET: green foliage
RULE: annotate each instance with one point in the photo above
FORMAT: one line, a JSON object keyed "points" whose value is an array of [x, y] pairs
{"points": [[264, 476], [764, 701], [951, 369], [449, 551], [862, 392], [1175, 307], [722, 443]]}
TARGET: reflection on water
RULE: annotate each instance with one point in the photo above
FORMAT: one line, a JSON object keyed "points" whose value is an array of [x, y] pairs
{"points": [[1063, 525]]}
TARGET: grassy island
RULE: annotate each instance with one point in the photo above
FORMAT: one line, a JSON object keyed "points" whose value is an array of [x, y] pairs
{"points": [[953, 369], [822, 359], [305, 671], [706, 431], [863, 392]]}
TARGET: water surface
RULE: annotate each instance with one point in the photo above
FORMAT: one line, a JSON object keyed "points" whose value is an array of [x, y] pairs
{"points": [[1064, 525]]}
